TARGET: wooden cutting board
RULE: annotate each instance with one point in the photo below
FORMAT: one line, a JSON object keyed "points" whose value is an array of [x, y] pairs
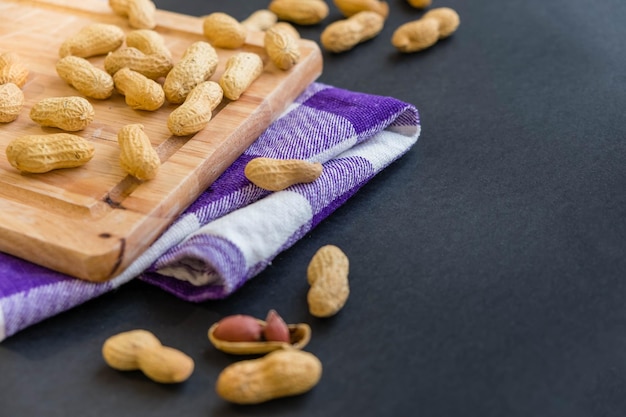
{"points": [[91, 222]]}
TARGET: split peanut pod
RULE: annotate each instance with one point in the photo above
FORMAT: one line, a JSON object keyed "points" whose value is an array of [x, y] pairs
{"points": [[245, 335], [43, 153], [141, 350], [281, 373]]}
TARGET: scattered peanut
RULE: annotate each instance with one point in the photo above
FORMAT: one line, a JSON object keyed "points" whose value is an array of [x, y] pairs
{"points": [[12, 69], [277, 174], [281, 373], [94, 39], [275, 330], [141, 93], [137, 156], [43, 153], [148, 41], [240, 72], [67, 113], [343, 35], [420, 4], [261, 20], [224, 31], [141, 13], [352, 7], [301, 12], [86, 78], [327, 274], [122, 350], [141, 350], [196, 111], [238, 328], [197, 64], [282, 47], [425, 32], [11, 102], [416, 35], [153, 66], [448, 20]]}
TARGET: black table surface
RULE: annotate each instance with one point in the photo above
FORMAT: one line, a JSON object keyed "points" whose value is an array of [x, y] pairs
{"points": [[488, 267]]}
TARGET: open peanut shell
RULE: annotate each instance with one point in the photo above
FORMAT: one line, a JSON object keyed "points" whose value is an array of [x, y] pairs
{"points": [[299, 335]]}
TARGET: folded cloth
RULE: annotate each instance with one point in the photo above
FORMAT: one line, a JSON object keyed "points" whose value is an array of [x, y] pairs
{"points": [[235, 229]]}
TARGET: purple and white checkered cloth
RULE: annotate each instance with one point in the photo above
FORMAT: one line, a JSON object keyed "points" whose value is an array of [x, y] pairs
{"points": [[235, 229]]}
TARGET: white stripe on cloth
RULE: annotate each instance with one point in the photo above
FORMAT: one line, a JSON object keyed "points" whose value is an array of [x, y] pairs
{"points": [[258, 230]]}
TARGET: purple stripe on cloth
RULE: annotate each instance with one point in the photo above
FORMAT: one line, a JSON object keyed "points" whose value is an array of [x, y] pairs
{"points": [[23, 309], [358, 109], [303, 133], [339, 174], [20, 276]]}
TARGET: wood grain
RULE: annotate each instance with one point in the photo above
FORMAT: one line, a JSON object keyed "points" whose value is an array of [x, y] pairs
{"points": [[92, 222]]}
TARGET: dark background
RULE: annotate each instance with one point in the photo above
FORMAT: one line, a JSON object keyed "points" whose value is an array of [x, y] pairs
{"points": [[488, 267]]}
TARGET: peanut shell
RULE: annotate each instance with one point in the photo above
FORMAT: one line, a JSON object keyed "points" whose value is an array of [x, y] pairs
{"points": [[12, 69], [68, 113], [91, 40], [224, 31], [85, 78], [301, 12], [153, 66], [281, 373], [277, 174], [140, 92], [137, 156], [198, 64], [196, 111], [282, 47], [242, 69], [299, 337], [327, 274], [42, 153], [11, 102]]}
